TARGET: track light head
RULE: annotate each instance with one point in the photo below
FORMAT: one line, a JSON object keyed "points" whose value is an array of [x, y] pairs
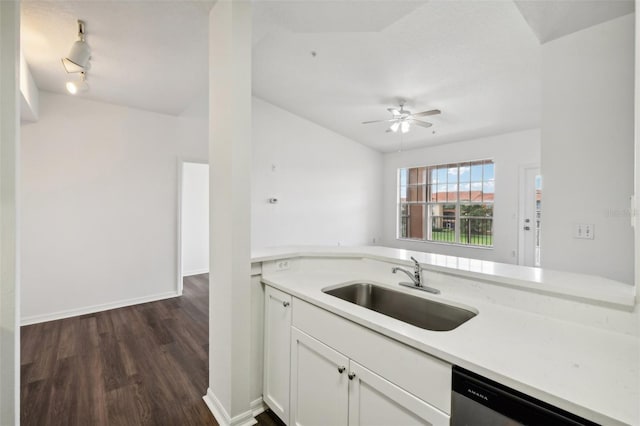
{"points": [[78, 86], [78, 58]]}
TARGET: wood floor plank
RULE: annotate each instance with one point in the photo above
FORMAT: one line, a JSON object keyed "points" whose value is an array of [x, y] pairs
{"points": [[63, 396], [113, 369], [68, 342], [35, 402]]}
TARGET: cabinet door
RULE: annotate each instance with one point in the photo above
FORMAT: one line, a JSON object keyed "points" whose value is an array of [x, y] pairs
{"points": [[319, 383], [376, 401], [277, 350]]}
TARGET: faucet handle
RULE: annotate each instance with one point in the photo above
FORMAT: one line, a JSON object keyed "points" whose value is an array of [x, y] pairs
{"points": [[416, 264], [417, 270]]}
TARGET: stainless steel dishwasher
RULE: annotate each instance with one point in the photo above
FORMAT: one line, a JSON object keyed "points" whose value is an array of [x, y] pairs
{"points": [[478, 401]]}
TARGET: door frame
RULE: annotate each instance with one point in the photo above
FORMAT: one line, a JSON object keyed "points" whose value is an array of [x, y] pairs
{"points": [[522, 179], [181, 162]]}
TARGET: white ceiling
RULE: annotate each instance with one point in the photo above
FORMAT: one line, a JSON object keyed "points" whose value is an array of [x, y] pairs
{"points": [[552, 19], [151, 55], [477, 61]]}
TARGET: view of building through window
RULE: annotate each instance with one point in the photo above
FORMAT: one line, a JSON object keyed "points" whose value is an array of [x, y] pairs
{"points": [[449, 203]]}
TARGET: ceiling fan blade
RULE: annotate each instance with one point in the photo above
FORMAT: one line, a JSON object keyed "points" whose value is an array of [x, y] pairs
{"points": [[378, 121], [421, 123], [426, 113], [394, 111]]}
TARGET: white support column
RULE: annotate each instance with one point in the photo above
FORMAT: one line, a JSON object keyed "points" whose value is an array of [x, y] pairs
{"points": [[9, 288], [635, 213], [228, 395]]}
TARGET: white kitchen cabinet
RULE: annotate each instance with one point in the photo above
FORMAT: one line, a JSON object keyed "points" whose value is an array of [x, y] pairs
{"points": [[375, 401], [327, 388], [422, 375], [319, 383], [321, 369], [277, 351]]}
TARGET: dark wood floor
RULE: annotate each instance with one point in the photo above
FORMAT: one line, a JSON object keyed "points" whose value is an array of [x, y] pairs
{"points": [[140, 365]]}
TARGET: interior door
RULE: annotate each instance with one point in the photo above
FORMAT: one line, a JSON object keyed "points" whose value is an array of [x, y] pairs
{"points": [[530, 216], [319, 383]]}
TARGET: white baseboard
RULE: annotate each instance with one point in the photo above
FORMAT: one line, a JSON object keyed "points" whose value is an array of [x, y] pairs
{"points": [[195, 272], [35, 319], [258, 406], [221, 415]]}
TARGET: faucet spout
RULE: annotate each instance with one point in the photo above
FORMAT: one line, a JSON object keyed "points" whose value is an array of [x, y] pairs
{"points": [[416, 278]]}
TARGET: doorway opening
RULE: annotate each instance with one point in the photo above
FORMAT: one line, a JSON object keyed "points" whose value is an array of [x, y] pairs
{"points": [[194, 220]]}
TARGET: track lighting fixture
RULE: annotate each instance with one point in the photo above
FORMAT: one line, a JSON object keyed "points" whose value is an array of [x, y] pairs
{"points": [[80, 53], [79, 85]]}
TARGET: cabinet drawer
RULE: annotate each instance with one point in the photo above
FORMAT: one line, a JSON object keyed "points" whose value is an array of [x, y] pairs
{"points": [[420, 374]]}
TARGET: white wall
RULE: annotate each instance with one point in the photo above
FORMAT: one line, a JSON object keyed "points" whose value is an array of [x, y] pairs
{"points": [[637, 164], [28, 93], [509, 152], [194, 130], [9, 214], [327, 186], [99, 217], [195, 218], [587, 149]]}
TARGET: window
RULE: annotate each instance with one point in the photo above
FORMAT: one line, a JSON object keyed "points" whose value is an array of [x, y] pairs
{"points": [[447, 203]]}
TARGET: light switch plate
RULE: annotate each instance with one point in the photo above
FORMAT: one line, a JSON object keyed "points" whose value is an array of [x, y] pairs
{"points": [[584, 231]]}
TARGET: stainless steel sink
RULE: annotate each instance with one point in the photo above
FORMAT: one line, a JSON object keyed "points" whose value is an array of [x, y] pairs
{"points": [[414, 310]]}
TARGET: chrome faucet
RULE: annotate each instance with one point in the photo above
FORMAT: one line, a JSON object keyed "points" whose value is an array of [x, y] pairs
{"points": [[416, 278]]}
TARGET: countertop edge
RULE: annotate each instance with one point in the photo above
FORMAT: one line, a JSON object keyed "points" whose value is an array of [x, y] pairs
{"points": [[539, 280]]}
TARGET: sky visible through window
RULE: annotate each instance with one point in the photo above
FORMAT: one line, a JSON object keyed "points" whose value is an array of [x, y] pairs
{"points": [[470, 179]]}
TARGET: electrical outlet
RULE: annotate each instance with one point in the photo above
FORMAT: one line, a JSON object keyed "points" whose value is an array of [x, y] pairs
{"points": [[282, 265], [584, 231]]}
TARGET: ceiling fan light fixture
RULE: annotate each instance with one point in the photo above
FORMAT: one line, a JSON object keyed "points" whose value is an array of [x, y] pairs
{"points": [[402, 119]]}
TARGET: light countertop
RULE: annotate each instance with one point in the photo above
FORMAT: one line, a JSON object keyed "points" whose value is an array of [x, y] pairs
{"points": [[592, 372], [588, 287]]}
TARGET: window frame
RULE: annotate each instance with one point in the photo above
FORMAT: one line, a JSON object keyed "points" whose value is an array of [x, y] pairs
{"points": [[424, 199]]}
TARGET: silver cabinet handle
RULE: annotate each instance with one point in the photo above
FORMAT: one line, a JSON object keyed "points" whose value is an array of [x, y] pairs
{"points": [[352, 375], [285, 304], [341, 369]]}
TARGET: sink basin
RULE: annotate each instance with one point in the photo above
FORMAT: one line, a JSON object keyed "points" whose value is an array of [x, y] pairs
{"points": [[417, 311]]}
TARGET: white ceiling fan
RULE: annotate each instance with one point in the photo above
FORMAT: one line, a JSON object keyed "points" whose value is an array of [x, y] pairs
{"points": [[403, 119]]}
